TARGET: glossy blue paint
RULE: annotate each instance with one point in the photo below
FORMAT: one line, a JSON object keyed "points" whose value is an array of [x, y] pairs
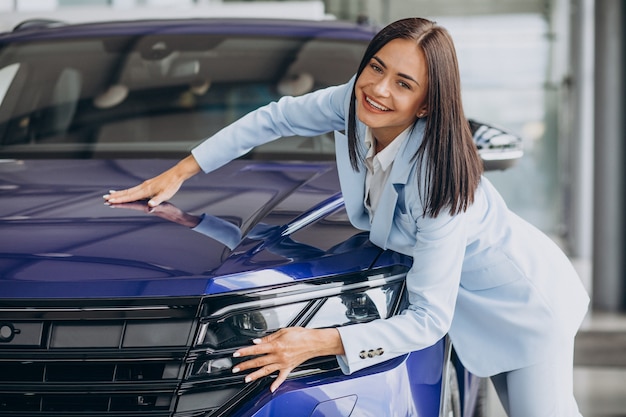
{"points": [[403, 387], [57, 232]]}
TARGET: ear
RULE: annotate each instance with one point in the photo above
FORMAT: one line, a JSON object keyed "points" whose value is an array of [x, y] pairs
{"points": [[423, 112]]}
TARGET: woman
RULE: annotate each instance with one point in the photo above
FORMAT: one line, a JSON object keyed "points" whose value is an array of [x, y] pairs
{"points": [[410, 174]]}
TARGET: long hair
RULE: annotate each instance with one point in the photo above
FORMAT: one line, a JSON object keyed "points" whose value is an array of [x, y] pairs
{"points": [[452, 164]]}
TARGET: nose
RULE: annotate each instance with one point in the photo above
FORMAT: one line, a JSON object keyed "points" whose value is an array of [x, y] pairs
{"points": [[381, 87]]}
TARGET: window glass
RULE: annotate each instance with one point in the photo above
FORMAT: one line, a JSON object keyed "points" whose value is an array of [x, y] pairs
{"points": [[505, 68], [159, 95], [7, 74]]}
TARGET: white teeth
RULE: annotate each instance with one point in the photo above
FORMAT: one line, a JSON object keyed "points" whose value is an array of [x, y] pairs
{"points": [[376, 105]]}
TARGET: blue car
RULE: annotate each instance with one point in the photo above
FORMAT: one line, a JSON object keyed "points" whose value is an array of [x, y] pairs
{"points": [[132, 311]]}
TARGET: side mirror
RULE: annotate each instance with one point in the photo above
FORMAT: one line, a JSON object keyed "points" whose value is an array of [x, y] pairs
{"points": [[498, 149]]}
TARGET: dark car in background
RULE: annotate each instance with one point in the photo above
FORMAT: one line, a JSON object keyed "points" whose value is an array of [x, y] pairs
{"points": [[130, 311]]}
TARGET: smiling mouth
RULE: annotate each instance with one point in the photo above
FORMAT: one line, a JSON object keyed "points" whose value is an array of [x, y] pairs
{"points": [[376, 105]]}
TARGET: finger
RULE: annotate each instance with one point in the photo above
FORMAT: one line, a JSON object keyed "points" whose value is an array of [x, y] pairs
{"points": [[254, 363], [261, 372], [282, 376], [158, 199], [259, 348], [260, 353], [126, 196], [114, 196], [108, 195], [161, 193]]}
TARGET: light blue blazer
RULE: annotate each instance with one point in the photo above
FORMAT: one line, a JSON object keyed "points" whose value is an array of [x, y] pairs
{"points": [[502, 290]]}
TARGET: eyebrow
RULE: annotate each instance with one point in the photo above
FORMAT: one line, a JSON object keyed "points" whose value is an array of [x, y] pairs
{"points": [[400, 74]]}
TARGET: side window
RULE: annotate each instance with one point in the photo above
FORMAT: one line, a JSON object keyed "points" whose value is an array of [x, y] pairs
{"points": [[8, 80], [12, 78], [7, 75]]}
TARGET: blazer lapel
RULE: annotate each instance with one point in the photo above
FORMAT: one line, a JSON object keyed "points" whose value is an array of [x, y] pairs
{"points": [[400, 173], [352, 184]]}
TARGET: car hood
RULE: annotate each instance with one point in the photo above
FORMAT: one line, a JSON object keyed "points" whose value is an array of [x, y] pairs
{"points": [[258, 224]]}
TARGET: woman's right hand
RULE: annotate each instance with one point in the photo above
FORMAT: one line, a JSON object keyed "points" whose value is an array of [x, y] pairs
{"points": [[157, 189]]}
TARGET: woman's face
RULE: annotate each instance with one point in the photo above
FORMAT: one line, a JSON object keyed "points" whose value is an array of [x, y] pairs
{"points": [[391, 90]]}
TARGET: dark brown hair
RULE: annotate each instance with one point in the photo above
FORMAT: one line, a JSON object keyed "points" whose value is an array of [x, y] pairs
{"points": [[453, 166]]}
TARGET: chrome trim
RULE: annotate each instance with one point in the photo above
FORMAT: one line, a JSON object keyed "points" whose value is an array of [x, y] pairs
{"points": [[492, 155], [79, 309], [323, 291], [312, 216]]}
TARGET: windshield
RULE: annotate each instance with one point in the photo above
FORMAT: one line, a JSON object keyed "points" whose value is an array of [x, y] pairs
{"points": [[157, 95]]}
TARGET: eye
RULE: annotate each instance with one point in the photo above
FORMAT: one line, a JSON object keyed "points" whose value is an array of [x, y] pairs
{"points": [[374, 66], [404, 85]]}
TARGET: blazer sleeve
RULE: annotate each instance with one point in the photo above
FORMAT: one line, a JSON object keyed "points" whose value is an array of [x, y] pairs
{"points": [[309, 115], [432, 284]]}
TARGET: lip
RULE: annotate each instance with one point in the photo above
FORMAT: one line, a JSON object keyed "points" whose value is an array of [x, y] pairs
{"points": [[374, 105]]}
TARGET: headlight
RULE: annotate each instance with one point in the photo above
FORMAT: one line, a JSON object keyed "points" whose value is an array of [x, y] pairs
{"points": [[233, 322], [228, 322]]}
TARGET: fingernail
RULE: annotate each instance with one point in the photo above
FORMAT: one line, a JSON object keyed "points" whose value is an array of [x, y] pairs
{"points": [[112, 191], [106, 196], [256, 341], [272, 389], [236, 355], [235, 370], [248, 379]]}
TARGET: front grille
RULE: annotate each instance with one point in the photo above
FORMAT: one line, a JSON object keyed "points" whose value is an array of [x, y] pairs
{"points": [[109, 359]]}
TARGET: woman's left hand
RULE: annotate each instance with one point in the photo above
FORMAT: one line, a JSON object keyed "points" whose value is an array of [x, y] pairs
{"points": [[286, 349]]}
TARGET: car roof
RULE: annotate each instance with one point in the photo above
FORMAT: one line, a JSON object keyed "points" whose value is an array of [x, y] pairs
{"points": [[50, 29]]}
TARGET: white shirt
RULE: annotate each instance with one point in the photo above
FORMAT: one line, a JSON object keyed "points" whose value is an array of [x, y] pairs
{"points": [[379, 167]]}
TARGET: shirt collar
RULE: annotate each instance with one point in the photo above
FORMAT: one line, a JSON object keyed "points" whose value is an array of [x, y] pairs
{"points": [[387, 155]]}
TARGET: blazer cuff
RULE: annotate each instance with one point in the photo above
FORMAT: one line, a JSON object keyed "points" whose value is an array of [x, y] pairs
{"points": [[360, 352]]}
